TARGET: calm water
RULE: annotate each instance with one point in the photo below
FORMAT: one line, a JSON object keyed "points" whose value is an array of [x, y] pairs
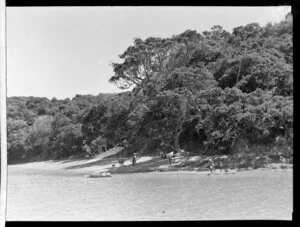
{"points": [[149, 196]]}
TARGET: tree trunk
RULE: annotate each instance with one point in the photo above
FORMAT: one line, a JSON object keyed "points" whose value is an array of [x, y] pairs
{"points": [[176, 141], [233, 142], [239, 72], [144, 147], [206, 148]]}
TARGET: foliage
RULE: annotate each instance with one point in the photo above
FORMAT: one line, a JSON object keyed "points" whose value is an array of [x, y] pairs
{"points": [[214, 90]]}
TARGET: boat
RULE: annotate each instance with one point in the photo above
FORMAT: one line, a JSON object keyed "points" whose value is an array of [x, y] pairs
{"points": [[98, 175]]}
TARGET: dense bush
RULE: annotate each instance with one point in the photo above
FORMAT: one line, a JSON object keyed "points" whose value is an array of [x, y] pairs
{"points": [[211, 93]]}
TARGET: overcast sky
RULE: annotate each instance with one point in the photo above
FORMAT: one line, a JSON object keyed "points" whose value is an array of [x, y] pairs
{"points": [[63, 51]]}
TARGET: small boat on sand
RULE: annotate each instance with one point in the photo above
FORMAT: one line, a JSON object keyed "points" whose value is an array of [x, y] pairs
{"points": [[98, 175]]}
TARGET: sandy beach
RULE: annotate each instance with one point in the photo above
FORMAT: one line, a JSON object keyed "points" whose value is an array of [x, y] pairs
{"points": [[102, 163]]}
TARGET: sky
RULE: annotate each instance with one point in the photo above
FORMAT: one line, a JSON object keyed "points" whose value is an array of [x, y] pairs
{"points": [[63, 51]]}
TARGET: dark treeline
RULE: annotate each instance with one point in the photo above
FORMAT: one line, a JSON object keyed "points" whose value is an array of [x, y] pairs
{"points": [[211, 93]]}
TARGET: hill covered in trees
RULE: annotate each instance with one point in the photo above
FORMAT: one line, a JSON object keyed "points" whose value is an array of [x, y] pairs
{"points": [[210, 93]]}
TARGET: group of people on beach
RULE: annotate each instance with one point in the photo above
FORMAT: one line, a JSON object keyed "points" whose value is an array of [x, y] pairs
{"points": [[162, 154], [169, 156]]}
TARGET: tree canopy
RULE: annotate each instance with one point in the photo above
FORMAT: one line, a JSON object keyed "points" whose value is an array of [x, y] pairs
{"points": [[202, 92]]}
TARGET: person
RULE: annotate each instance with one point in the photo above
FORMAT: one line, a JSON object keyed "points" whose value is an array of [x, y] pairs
{"points": [[212, 166], [121, 161], [170, 160], [161, 153], [134, 159], [221, 166]]}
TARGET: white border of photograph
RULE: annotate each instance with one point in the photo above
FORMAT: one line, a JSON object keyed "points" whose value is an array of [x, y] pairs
{"points": [[3, 191]]}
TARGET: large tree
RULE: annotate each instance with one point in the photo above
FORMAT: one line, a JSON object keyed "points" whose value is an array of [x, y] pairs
{"points": [[153, 55]]}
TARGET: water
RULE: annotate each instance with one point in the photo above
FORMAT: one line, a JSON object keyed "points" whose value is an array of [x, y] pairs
{"points": [[57, 196]]}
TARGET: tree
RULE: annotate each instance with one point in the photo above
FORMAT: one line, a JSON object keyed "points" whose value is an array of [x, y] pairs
{"points": [[153, 55], [17, 134], [39, 135], [164, 120]]}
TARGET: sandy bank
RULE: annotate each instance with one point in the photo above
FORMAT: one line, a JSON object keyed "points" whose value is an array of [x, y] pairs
{"points": [[66, 165]]}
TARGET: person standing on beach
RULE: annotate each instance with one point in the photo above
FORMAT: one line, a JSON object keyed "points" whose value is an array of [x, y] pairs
{"points": [[134, 159], [170, 160], [169, 156], [212, 166], [161, 153]]}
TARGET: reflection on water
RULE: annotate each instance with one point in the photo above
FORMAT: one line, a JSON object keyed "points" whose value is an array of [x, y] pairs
{"points": [[149, 196]]}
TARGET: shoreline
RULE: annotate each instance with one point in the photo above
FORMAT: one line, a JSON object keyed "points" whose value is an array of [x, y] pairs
{"points": [[145, 164]]}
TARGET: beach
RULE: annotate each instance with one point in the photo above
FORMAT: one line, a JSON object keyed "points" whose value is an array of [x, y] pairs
{"points": [[60, 190]]}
